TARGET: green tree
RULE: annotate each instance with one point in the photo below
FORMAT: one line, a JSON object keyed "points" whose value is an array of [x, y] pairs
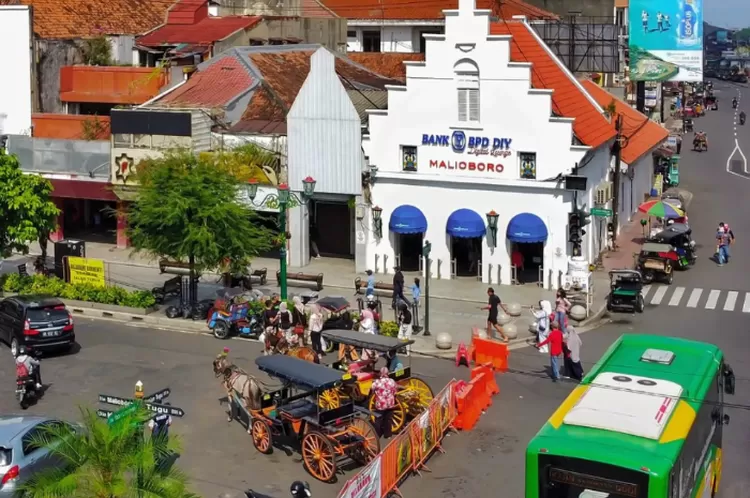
{"points": [[26, 212], [188, 210], [107, 460]]}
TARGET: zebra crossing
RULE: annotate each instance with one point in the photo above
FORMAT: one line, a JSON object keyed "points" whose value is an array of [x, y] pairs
{"points": [[709, 299]]}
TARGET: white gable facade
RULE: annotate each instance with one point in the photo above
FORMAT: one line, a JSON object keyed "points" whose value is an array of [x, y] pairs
{"points": [[467, 135]]}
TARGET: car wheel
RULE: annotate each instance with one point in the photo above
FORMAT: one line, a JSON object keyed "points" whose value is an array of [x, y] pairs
{"points": [[14, 347], [670, 278], [640, 303]]}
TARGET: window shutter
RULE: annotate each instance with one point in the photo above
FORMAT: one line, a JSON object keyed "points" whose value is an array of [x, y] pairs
{"points": [[474, 105], [463, 105]]}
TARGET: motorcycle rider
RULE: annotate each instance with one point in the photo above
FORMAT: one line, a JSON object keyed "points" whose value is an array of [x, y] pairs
{"points": [[300, 489], [700, 136], [734, 103], [742, 117], [31, 365]]}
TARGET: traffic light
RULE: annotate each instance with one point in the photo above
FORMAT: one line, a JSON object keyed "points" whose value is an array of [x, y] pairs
{"points": [[584, 218], [574, 228]]}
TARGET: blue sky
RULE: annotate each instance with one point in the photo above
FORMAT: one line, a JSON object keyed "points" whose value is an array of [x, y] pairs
{"points": [[727, 13]]}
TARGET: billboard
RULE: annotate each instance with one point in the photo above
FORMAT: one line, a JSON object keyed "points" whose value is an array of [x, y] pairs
{"points": [[666, 40], [15, 85]]}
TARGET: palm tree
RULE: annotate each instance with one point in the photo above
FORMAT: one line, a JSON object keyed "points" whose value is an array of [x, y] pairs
{"points": [[107, 459]]}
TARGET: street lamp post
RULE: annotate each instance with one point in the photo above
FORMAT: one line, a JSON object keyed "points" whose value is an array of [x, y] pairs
{"points": [[284, 199], [492, 217], [426, 253]]}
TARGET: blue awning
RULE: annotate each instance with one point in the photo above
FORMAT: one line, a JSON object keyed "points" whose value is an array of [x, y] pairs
{"points": [[466, 224], [527, 228], [407, 219]]}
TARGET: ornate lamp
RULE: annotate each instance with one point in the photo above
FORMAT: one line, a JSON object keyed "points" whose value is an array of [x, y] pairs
{"points": [[308, 186], [377, 222], [283, 193], [492, 218], [252, 188]]}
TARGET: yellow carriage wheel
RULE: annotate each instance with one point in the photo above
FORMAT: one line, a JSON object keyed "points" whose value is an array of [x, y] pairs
{"points": [[417, 392], [261, 437], [319, 456], [398, 416], [370, 445], [329, 399]]}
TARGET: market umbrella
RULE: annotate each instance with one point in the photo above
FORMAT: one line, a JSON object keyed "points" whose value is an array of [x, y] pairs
{"points": [[661, 209]]}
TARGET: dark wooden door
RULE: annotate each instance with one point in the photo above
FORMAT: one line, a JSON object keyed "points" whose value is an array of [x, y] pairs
{"points": [[334, 229]]}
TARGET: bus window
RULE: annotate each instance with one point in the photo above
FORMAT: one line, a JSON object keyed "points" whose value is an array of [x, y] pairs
{"points": [[562, 477]]}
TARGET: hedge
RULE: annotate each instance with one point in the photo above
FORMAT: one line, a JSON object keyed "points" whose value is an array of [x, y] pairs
{"points": [[52, 286]]}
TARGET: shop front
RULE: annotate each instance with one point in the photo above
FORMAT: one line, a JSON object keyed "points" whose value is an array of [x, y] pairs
{"points": [[472, 156]]}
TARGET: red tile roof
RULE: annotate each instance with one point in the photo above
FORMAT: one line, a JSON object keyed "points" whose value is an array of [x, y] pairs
{"points": [[429, 9], [221, 81], [72, 19], [643, 134], [389, 64], [315, 8], [205, 32], [187, 12], [569, 99]]}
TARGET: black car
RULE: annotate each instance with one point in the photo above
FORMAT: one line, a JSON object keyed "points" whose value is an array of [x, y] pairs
{"points": [[40, 323]]}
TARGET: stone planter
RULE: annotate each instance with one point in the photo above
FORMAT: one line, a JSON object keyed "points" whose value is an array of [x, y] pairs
{"points": [[73, 303]]}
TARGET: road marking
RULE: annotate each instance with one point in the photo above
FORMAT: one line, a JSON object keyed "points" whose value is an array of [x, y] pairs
{"points": [[746, 305], [731, 300], [677, 296], [694, 298], [713, 298], [744, 160], [645, 290], [659, 295]]}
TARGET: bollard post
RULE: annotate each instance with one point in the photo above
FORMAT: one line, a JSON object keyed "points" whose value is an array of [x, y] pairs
{"points": [[439, 266], [479, 270], [385, 263], [377, 258], [454, 268], [499, 274], [513, 275], [489, 273]]}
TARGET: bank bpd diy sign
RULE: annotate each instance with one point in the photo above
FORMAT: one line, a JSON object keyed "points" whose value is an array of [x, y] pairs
{"points": [[493, 148]]}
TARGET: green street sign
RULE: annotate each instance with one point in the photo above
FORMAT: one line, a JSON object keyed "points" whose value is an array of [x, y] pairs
{"points": [[601, 212]]}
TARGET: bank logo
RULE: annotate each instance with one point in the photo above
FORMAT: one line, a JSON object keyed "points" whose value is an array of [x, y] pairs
{"points": [[458, 141]]}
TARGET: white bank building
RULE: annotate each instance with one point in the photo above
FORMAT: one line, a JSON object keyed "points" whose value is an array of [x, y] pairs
{"points": [[471, 155]]}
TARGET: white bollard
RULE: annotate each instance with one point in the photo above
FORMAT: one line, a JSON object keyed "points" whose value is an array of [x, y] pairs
{"points": [[443, 341]]}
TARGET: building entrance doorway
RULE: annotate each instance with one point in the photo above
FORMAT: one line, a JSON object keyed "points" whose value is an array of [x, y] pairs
{"points": [[466, 254], [90, 220], [528, 258], [331, 228], [409, 251]]}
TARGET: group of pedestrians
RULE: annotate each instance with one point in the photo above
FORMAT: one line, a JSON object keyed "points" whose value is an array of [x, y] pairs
{"points": [[559, 339], [407, 311], [297, 327]]}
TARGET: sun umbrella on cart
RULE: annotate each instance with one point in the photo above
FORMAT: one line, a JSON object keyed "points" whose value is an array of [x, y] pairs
{"points": [[661, 209]]}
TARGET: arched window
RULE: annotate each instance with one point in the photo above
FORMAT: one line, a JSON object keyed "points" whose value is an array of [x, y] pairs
{"points": [[467, 84]]}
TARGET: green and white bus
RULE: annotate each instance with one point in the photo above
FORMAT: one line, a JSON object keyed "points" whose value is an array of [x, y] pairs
{"points": [[646, 422]]}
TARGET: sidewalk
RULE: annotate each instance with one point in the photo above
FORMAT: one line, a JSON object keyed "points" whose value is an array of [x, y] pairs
{"points": [[454, 304]]}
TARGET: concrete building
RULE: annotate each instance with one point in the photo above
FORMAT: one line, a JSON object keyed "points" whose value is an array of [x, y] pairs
{"points": [[481, 136], [398, 26]]}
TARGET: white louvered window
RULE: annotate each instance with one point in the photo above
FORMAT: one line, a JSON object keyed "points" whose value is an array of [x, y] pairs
{"points": [[467, 85]]}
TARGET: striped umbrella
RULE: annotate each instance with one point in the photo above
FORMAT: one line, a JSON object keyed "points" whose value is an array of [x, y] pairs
{"points": [[661, 209]]}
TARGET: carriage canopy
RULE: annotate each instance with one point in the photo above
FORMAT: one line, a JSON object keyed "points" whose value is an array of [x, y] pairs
{"points": [[299, 372], [381, 343]]}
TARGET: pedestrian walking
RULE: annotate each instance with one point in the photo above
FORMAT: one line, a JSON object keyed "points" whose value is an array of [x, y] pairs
{"points": [[722, 243], [542, 317], [299, 321], [384, 389], [284, 321], [573, 345], [316, 326], [562, 306], [405, 325], [728, 231], [370, 290], [493, 303], [416, 294], [398, 288], [555, 341]]}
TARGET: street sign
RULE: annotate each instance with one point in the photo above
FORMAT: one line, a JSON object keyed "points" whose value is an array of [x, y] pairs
{"points": [[601, 212], [119, 401], [158, 396]]}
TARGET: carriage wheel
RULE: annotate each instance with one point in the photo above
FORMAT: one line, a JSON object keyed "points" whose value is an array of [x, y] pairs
{"points": [[398, 417], [419, 392], [329, 399], [370, 446], [261, 437], [318, 456]]}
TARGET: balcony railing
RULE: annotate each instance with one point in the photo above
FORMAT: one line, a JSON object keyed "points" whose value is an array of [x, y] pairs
{"points": [[110, 84], [62, 157]]}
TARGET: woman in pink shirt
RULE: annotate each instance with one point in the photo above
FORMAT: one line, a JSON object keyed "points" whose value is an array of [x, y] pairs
{"points": [[562, 306]]}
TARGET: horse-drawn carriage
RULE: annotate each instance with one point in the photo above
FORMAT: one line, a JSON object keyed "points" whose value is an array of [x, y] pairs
{"points": [[326, 438], [414, 395]]}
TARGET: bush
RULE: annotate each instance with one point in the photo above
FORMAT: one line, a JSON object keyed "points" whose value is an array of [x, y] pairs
{"points": [[389, 328], [52, 286]]}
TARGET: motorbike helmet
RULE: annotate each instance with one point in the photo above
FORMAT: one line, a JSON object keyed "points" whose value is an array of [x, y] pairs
{"points": [[300, 489], [21, 351]]}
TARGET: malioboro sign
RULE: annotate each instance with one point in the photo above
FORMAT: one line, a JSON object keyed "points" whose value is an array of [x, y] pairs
{"points": [[461, 144]]}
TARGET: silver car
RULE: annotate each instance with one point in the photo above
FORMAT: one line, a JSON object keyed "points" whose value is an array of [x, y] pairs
{"points": [[19, 457]]}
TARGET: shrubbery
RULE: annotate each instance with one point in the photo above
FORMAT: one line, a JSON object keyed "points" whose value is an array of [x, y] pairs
{"points": [[52, 286]]}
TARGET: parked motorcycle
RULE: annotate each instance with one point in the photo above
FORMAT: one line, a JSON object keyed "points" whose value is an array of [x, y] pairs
{"points": [[231, 316]]}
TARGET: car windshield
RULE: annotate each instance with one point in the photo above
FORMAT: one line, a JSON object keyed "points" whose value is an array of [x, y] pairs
{"points": [[47, 314], [6, 456]]}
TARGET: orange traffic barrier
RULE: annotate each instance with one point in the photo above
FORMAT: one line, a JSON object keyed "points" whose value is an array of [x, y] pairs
{"points": [[492, 387], [480, 377], [462, 356], [490, 351]]}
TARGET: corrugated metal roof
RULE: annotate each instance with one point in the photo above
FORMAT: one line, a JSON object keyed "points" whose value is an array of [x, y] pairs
{"points": [[368, 99], [222, 81], [432, 9], [205, 32]]}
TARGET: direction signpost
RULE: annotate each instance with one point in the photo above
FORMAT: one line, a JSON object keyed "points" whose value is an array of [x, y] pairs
{"points": [[601, 212], [129, 405], [154, 407]]}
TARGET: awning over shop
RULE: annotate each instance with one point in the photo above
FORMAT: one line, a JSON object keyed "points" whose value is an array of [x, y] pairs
{"points": [[407, 219], [527, 228], [82, 189], [466, 224]]}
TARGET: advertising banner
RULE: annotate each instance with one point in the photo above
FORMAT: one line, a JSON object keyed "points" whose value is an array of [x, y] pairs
{"points": [[86, 271], [366, 484], [666, 40]]}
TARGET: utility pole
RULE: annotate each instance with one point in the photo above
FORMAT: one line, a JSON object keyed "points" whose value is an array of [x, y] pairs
{"points": [[640, 96], [616, 179]]}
